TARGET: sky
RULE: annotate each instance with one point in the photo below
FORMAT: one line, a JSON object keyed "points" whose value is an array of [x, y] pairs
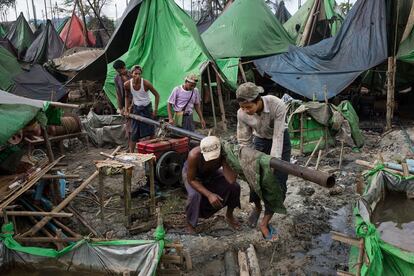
{"points": [[112, 10]]}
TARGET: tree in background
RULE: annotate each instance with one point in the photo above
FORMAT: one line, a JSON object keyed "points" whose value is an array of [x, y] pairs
{"points": [[4, 6], [89, 7]]}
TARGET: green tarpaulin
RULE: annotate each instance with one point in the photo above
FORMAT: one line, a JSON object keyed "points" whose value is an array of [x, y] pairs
{"points": [[246, 29], [9, 68], [229, 67], [297, 24], [382, 258], [20, 35], [2, 32], [166, 44]]}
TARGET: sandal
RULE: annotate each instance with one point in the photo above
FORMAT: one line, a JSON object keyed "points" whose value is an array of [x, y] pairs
{"points": [[273, 236]]}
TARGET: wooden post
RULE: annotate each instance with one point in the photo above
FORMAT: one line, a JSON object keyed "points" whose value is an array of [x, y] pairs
{"points": [[221, 103], [360, 257], [152, 185], [253, 261], [127, 195], [48, 145], [301, 133], [101, 192], [390, 92], [318, 160], [242, 72], [244, 268], [341, 155], [212, 97]]}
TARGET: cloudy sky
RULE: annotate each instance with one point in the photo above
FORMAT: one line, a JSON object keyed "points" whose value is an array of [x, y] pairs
{"points": [[115, 8]]}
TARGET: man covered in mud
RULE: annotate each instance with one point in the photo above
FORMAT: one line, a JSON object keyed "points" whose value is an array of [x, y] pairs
{"points": [[261, 125], [210, 183]]}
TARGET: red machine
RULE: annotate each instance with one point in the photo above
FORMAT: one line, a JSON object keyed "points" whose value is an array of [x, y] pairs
{"points": [[170, 154]]}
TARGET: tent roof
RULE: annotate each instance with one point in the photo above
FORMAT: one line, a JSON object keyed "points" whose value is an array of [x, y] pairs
{"points": [[9, 68], [20, 35], [246, 29], [48, 45], [6, 44], [334, 63], [2, 32], [72, 34], [282, 14], [302, 19], [168, 47]]}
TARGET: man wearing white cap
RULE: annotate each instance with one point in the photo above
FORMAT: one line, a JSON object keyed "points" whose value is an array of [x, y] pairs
{"points": [[210, 183], [183, 100]]}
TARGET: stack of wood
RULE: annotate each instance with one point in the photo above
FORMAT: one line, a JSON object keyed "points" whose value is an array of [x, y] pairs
{"points": [[33, 224]]}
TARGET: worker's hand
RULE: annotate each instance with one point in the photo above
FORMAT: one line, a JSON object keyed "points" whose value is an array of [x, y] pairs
{"points": [[171, 121], [203, 124], [215, 201]]}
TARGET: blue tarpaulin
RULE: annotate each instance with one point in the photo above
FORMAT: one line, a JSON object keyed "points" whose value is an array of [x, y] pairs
{"points": [[334, 63]]}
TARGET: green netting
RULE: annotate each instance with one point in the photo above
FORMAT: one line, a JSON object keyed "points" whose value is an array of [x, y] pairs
{"points": [[229, 67], [2, 32], [246, 29], [9, 68], [384, 259], [166, 44]]}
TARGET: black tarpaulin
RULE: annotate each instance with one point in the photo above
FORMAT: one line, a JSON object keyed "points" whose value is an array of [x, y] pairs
{"points": [[282, 14], [48, 45]]}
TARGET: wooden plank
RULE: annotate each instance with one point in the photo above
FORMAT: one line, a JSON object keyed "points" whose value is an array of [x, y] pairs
{"points": [[253, 261], [101, 193], [127, 196], [56, 176], [152, 185], [318, 160], [244, 268], [29, 184]]}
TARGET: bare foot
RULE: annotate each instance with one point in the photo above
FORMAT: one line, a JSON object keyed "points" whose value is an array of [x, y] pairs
{"points": [[190, 229], [233, 222]]}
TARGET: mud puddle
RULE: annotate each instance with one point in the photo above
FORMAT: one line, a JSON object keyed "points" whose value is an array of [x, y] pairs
{"points": [[394, 219]]}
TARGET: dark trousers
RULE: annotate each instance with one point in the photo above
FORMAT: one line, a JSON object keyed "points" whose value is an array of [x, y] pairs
{"points": [[265, 146], [198, 205], [138, 129]]}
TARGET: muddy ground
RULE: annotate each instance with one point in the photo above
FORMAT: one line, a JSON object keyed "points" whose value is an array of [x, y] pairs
{"points": [[304, 247]]}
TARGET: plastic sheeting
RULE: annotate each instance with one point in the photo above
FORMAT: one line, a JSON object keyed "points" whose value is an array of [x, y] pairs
{"points": [[48, 45], [20, 35], [384, 258], [9, 68], [72, 34], [77, 61], [282, 14], [335, 62], [15, 113], [2, 32], [6, 44], [38, 84], [246, 29], [105, 129], [168, 48], [135, 257]]}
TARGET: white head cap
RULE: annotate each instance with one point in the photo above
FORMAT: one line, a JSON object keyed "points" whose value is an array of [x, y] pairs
{"points": [[210, 148]]}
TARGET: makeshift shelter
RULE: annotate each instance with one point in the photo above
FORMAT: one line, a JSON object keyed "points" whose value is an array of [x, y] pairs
{"points": [[38, 84], [314, 21], [135, 257], [9, 68], [282, 14], [247, 28], [48, 45], [71, 64], [2, 32], [20, 35], [381, 256], [73, 34], [61, 25], [324, 69]]}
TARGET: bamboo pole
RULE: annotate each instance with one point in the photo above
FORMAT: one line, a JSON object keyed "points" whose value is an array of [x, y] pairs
{"points": [[152, 185], [221, 103], [212, 97], [318, 160], [64, 203], [244, 268], [34, 213], [341, 155], [314, 151], [390, 92], [127, 196], [242, 72], [68, 176], [253, 261]]}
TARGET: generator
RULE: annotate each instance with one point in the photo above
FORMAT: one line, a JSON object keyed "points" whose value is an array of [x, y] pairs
{"points": [[170, 154]]}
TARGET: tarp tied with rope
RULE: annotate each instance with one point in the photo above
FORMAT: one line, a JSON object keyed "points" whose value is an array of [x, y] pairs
{"points": [[333, 63]]}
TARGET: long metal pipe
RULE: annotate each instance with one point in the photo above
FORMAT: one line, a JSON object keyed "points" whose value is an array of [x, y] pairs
{"points": [[321, 178]]}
